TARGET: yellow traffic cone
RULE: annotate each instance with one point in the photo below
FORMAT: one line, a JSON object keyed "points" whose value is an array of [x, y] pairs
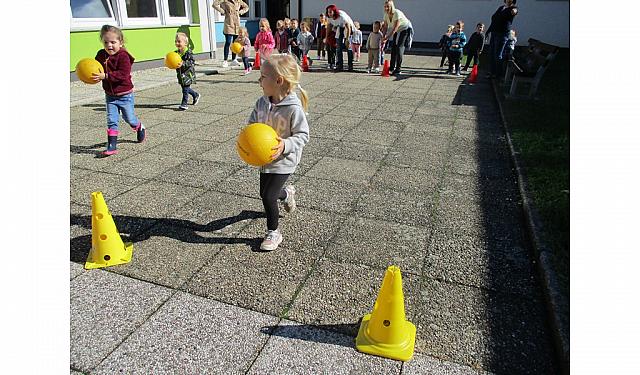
{"points": [[107, 248], [386, 332]]}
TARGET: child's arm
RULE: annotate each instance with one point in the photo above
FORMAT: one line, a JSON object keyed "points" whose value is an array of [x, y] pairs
{"points": [[463, 40], [299, 132]]}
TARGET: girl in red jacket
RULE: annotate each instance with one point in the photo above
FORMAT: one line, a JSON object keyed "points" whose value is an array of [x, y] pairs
{"points": [[117, 85]]}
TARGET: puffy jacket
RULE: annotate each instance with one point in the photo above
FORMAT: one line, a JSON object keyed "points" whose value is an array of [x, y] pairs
{"points": [[187, 72]]}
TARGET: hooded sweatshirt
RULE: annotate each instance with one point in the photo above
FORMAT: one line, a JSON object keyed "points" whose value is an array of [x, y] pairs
{"points": [[290, 123], [118, 72]]}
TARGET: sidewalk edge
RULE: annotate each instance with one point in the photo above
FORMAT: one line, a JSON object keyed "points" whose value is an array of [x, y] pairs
{"points": [[543, 254]]}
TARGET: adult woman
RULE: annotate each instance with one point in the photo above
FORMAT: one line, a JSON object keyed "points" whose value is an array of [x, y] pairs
{"points": [[342, 23], [397, 28], [499, 29], [231, 9]]}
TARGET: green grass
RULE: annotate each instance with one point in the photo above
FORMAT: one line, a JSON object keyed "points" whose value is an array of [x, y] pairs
{"points": [[540, 133]]}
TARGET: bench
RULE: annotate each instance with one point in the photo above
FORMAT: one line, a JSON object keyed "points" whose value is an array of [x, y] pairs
{"points": [[529, 67]]}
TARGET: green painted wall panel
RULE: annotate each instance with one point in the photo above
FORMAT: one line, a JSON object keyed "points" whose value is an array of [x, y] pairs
{"points": [[143, 44]]}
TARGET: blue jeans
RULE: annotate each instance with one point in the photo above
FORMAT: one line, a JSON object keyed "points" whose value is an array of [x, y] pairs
{"points": [[186, 91], [339, 59], [228, 39], [496, 47], [120, 104]]}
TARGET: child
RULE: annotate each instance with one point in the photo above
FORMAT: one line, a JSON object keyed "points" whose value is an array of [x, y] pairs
{"points": [[281, 37], [510, 46], [321, 34], [116, 82], [243, 39], [264, 40], [186, 72], [475, 45], [281, 109], [294, 31], [305, 41], [373, 48], [444, 43], [332, 44], [456, 43], [356, 41]]}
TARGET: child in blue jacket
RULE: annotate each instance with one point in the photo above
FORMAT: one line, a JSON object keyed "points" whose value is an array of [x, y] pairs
{"points": [[456, 42]]}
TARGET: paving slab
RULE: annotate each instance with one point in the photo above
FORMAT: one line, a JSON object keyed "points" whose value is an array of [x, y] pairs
{"points": [[198, 173], [491, 331], [184, 147], [423, 364], [111, 185], [343, 170], [379, 244], [298, 348], [75, 269], [189, 335], [391, 205], [328, 195], [105, 309], [241, 275], [338, 295], [359, 151]]}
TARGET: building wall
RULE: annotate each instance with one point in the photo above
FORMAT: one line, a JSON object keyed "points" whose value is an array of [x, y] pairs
{"points": [[547, 20], [143, 44]]}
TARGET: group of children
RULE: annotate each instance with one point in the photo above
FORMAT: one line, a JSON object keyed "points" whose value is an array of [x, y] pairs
{"points": [[454, 45], [279, 107], [287, 39]]}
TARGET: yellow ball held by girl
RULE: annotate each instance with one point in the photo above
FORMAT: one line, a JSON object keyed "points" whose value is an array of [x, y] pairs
{"points": [[255, 144]]}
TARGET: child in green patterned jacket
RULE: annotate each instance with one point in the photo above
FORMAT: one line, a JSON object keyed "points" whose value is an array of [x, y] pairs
{"points": [[186, 71]]}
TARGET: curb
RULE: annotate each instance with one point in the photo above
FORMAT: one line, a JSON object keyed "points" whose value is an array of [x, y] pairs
{"points": [[553, 297]]}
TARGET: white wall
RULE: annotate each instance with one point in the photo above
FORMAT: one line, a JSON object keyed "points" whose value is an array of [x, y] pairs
{"points": [[547, 21]]}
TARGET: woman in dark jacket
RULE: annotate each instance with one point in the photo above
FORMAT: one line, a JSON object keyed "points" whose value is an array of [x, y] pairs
{"points": [[499, 29]]}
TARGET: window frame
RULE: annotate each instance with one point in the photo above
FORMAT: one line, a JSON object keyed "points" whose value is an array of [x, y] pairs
{"points": [[176, 21], [81, 23], [127, 21], [119, 17]]}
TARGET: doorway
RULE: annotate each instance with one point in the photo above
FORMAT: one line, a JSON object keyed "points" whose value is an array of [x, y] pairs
{"points": [[277, 10]]}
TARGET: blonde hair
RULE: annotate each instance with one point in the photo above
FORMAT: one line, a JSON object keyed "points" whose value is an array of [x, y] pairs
{"points": [[392, 7], [356, 24], [450, 28], [265, 22], [279, 24], [243, 32], [182, 36], [285, 66], [305, 26]]}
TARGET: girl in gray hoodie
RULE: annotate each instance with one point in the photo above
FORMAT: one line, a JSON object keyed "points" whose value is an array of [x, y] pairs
{"points": [[281, 109]]}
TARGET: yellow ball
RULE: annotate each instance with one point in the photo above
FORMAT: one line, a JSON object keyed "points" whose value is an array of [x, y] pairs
{"points": [[236, 47], [172, 60], [86, 68], [255, 144]]}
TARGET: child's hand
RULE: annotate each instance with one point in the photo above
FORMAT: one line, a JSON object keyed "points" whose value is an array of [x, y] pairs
{"points": [[278, 149], [97, 77]]}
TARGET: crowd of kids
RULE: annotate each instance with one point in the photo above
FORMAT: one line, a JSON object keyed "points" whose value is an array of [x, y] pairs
{"points": [[281, 52]]}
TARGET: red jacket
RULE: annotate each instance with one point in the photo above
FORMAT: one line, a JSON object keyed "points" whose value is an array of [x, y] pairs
{"points": [[118, 71]]}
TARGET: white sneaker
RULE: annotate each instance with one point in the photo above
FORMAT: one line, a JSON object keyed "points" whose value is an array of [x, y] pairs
{"points": [[225, 64], [271, 241], [377, 70], [290, 200], [234, 63]]}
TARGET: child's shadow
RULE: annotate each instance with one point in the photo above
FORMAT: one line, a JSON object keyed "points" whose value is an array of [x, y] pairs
{"points": [[100, 107], [142, 228], [95, 149]]}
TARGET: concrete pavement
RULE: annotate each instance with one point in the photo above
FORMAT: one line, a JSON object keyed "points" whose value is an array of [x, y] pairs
{"points": [[411, 171]]}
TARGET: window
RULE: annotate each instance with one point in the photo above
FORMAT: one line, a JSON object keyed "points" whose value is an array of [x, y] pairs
{"points": [[91, 13], [177, 8], [257, 9]]}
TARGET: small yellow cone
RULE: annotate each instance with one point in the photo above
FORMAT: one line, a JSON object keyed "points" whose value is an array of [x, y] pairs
{"points": [[107, 248], [386, 332]]}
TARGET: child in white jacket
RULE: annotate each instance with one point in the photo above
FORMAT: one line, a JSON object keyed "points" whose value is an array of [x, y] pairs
{"points": [[305, 40]]}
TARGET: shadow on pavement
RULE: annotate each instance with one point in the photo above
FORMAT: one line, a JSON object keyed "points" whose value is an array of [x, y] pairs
{"points": [[333, 334], [519, 340], [136, 229]]}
